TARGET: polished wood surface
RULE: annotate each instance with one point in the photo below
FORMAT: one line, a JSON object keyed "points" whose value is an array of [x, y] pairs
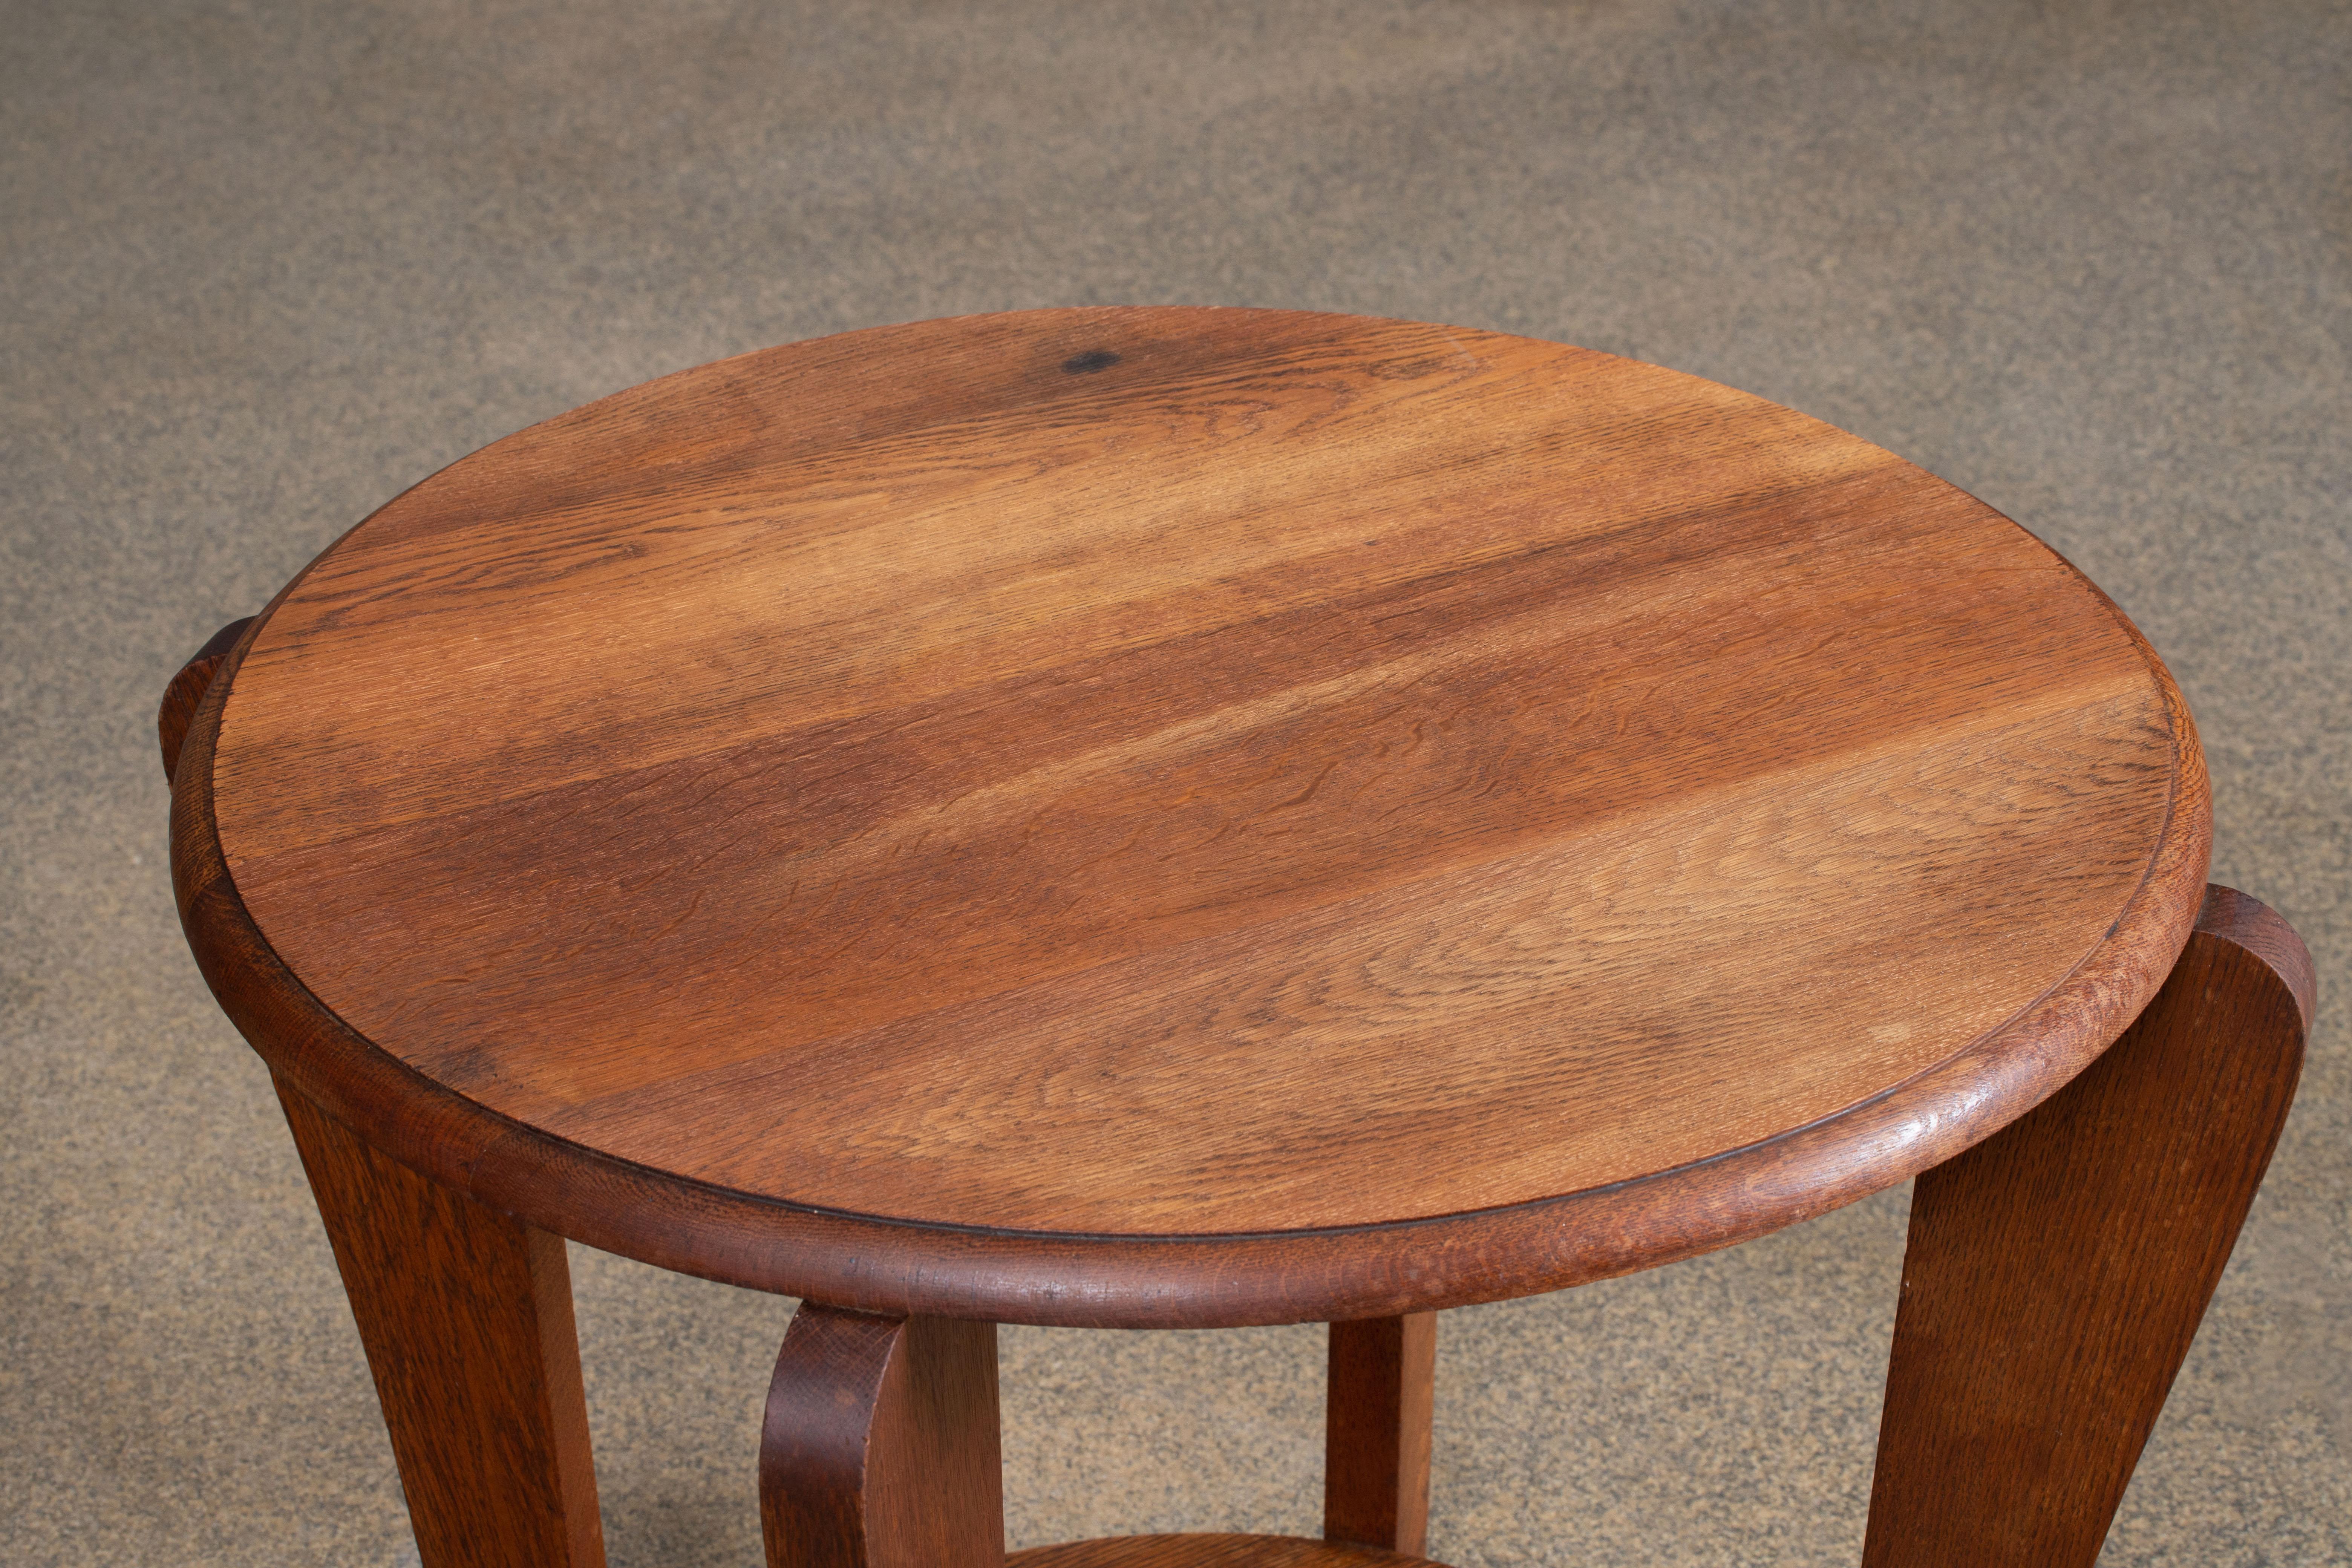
{"points": [[466, 1315], [1294, 816], [1210, 1552], [2058, 1271], [1380, 1399], [880, 1446]]}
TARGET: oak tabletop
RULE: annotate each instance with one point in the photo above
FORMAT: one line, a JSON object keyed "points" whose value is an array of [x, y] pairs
{"points": [[1065, 781]]}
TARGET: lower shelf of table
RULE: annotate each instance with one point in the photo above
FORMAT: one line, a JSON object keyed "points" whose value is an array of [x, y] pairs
{"points": [[1210, 1552]]}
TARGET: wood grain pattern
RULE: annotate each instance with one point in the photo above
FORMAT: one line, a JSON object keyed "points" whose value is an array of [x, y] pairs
{"points": [[1381, 1397], [2058, 1271], [186, 690], [880, 1445], [1321, 818], [1210, 1552], [466, 1314]]}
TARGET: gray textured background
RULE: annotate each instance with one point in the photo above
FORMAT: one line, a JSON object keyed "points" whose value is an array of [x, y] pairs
{"points": [[264, 265]]}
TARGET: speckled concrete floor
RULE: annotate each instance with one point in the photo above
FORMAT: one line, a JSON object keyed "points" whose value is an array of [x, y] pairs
{"points": [[264, 264]]}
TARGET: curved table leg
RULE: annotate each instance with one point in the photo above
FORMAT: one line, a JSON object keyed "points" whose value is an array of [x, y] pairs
{"points": [[466, 1317], [2057, 1271], [178, 709], [880, 1447], [1376, 1432]]}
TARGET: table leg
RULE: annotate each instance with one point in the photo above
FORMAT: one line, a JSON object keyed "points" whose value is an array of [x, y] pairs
{"points": [[466, 1314], [1376, 1432], [880, 1447], [2057, 1271]]}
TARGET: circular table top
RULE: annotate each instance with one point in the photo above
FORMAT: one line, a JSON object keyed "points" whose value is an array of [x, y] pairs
{"points": [[1168, 814]]}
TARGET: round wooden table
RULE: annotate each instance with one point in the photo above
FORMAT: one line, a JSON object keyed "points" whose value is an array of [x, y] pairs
{"points": [[1179, 818]]}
